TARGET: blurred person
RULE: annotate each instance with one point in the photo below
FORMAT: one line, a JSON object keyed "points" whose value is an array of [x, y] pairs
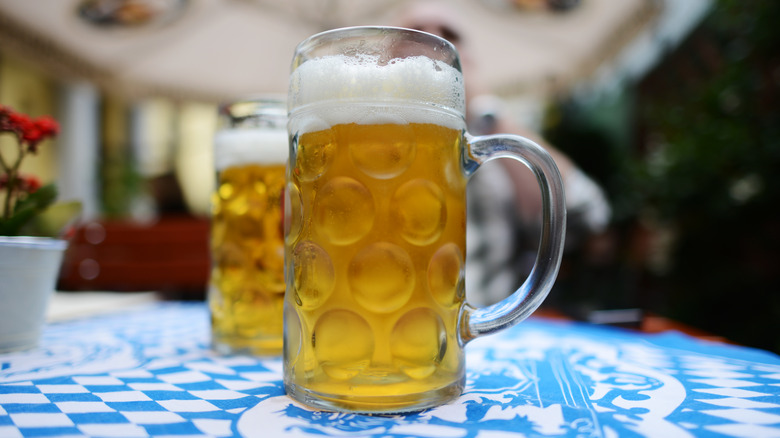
{"points": [[504, 203]]}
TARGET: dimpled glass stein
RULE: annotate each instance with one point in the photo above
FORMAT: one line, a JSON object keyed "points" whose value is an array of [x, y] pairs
{"points": [[246, 289], [375, 313]]}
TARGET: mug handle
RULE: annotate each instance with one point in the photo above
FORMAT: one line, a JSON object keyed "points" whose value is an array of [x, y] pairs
{"points": [[476, 322]]}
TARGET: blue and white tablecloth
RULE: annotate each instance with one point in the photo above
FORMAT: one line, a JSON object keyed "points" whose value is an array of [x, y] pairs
{"points": [[149, 372]]}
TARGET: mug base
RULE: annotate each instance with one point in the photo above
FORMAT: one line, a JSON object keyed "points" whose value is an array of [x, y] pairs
{"points": [[252, 347], [380, 404]]}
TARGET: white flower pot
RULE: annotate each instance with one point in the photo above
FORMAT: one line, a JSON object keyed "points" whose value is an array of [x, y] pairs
{"points": [[29, 267]]}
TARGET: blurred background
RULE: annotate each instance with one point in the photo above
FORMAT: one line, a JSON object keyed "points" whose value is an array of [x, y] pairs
{"points": [[671, 106]]}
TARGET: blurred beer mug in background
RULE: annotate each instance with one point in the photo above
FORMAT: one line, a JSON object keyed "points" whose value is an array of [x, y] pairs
{"points": [[375, 315], [246, 288]]}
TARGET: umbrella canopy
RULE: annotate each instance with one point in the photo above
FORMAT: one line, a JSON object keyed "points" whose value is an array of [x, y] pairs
{"points": [[218, 49]]}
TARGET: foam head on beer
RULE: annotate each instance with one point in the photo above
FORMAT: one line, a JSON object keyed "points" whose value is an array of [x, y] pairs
{"points": [[241, 146], [352, 79]]}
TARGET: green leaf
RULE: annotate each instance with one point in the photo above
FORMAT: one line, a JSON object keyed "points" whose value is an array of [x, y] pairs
{"points": [[38, 200], [37, 215], [54, 220], [13, 225]]}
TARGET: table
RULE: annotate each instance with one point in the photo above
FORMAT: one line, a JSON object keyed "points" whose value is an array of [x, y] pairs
{"points": [[148, 371]]}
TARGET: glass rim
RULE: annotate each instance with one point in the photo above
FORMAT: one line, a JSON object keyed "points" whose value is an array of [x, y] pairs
{"points": [[269, 99], [254, 97], [331, 35], [270, 108]]}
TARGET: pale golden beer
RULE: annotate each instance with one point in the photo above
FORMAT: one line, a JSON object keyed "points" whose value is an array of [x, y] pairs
{"points": [[375, 225], [247, 285], [378, 264]]}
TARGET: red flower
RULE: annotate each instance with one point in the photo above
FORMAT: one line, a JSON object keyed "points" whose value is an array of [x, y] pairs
{"points": [[28, 131], [29, 134], [29, 183], [47, 125], [24, 183], [32, 136], [19, 123]]}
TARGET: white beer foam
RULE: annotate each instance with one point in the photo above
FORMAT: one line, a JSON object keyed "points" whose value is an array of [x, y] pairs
{"points": [[358, 86], [250, 146]]}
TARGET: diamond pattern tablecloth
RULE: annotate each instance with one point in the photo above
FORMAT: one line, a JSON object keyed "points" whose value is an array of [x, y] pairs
{"points": [[150, 372]]}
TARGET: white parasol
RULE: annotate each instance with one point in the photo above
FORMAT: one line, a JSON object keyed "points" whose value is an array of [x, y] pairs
{"points": [[218, 49]]}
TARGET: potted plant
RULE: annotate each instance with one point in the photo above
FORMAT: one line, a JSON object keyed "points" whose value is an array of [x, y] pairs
{"points": [[32, 232]]}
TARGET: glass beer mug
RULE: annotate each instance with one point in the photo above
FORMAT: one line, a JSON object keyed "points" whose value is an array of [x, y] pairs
{"points": [[375, 312], [246, 289]]}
